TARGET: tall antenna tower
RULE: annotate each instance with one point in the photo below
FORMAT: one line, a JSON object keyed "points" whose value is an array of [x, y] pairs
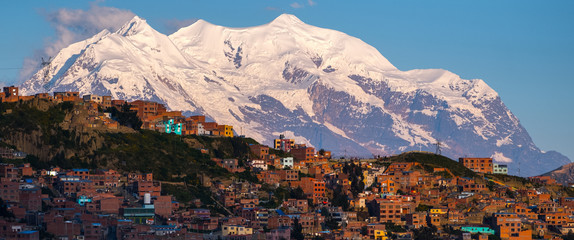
{"points": [[438, 145]]}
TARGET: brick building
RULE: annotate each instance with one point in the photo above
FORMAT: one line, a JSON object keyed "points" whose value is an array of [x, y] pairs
{"points": [[146, 109], [261, 151], [283, 144], [68, 96], [9, 94], [481, 165], [303, 154], [313, 188], [151, 187], [9, 190]]}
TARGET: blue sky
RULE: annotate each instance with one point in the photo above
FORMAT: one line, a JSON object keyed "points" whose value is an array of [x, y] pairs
{"points": [[523, 49]]}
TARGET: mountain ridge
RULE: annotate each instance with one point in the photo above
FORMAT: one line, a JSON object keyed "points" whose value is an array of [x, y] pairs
{"points": [[319, 86]]}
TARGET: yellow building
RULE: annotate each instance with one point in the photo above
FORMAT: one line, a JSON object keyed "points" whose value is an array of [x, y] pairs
{"points": [[233, 230], [439, 211], [225, 130], [381, 235]]}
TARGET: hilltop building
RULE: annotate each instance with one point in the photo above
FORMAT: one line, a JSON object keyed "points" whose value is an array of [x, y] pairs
{"points": [[499, 168], [481, 165], [283, 144]]}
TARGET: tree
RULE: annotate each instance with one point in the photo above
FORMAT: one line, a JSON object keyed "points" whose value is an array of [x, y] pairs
{"points": [[364, 231], [423, 208], [125, 116], [340, 199], [4, 210], [297, 193], [330, 223], [297, 232], [510, 193], [425, 233]]}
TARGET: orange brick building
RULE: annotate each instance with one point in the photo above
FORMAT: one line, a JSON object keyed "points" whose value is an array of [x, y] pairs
{"points": [[68, 96], [481, 165], [146, 109], [387, 210], [260, 151], [163, 206], [10, 94], [303, 154], [509, 226], [313, 188], [151, 187]]}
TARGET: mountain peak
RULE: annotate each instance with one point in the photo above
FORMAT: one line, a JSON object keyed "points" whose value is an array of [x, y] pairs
{"points": [[286, 19], [132, 27], [318, 86]]}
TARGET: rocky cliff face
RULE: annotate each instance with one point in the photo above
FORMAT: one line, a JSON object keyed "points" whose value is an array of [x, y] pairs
{"points": [[318, 86]]}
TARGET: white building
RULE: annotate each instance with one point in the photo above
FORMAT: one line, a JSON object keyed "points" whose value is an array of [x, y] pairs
{"points": [[93, 98], [287, 162], [261, 164], [500, 169]]}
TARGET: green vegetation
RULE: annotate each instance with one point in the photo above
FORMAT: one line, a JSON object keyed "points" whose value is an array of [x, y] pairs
{"points": [[223, 147], [279, 153], [26, 117], [423, 208], [429, 161], [296, 233], [508, 178], [389, 226], [164, 155], [443, 174], [125, 116]]}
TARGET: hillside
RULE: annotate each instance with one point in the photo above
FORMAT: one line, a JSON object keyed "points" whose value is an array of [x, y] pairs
{"points": [[53, 135], [563, 175], [430, 160]]}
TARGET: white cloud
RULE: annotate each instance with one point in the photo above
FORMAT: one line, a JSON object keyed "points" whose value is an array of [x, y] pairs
{"points": [[499, 157], [311, 3], [296, 5], [73, 25]]}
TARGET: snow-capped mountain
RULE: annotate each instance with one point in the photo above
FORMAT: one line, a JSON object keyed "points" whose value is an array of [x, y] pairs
{"points": [[318, 86]]}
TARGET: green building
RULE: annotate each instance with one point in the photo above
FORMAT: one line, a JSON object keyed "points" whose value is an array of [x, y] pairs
{"points": [[141, 215]]}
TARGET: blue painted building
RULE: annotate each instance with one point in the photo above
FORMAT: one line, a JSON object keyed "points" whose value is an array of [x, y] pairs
{"points": [[477, 229], [172, 127]]}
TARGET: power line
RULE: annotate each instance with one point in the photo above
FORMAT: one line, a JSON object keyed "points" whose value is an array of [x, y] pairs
{"points": [[10, 68]]}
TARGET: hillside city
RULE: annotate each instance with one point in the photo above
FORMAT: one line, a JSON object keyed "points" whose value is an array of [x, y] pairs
{"points": [[285, 191]]}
